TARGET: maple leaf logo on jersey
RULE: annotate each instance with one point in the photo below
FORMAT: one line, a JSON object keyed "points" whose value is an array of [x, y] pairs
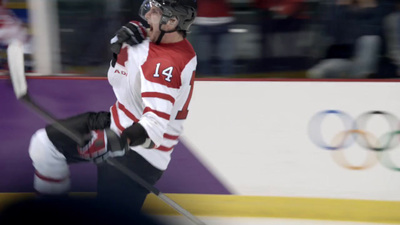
{"points": [[121, 60], [123, 57]]}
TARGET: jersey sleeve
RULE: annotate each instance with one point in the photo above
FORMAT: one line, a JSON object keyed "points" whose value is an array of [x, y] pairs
{"points": [[160, 84]]}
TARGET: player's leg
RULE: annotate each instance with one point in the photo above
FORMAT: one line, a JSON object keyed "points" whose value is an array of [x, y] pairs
{"points": [[51, 169], [117, 188], [51, 151]]}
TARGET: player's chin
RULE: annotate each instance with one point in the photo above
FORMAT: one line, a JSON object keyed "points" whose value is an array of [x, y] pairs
{"points": [[152, 36]]}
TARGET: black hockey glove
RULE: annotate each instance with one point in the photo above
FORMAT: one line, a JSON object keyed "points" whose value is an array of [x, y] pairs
{"points": [[104, 143], [132, 33], [137, 135]]}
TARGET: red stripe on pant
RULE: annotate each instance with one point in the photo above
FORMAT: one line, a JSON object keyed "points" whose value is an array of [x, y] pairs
{"points": [[49, 179]]}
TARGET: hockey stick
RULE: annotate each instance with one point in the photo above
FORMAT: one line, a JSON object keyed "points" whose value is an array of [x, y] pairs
{"points": [[15, 57]]}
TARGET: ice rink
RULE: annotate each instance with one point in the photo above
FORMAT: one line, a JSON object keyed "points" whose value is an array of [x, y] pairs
{"points": [[281, 182], [180, 220]]}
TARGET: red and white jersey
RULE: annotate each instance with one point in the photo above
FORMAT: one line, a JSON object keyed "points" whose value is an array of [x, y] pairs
{"points": [[153, 85]]}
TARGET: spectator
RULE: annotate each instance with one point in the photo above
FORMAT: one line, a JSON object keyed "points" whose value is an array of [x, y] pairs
{"points": [[354, 39], [278, 16], [212, 42], [80, 21], [389, 63]]}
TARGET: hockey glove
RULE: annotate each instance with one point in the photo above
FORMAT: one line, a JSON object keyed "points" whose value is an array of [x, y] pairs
{"points": [[137, 135], [132, 33], [104, 143]]}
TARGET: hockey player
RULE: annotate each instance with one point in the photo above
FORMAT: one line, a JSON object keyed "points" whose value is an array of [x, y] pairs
{"points": [[152, 76]]}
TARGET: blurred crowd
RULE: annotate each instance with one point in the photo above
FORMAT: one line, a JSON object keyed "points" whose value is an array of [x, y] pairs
{"points": [[252, 38]]}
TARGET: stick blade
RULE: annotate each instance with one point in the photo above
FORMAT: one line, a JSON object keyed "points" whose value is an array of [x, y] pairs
{"points": [[15, 58]]}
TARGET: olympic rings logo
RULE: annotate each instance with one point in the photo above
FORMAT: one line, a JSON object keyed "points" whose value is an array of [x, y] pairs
{"points": [[355, 131]]}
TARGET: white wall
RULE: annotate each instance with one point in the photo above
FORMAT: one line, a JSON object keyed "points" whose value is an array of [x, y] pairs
{"points": [[254, 137]]}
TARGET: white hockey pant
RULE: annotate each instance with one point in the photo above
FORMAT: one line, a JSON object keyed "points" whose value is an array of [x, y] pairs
{"points": [[52, 174]]}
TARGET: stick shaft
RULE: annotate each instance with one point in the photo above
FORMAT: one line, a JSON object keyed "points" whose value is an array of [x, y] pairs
{"points": [[50, 118]]}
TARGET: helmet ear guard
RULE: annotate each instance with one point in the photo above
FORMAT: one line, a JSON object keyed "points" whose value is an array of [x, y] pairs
{"points": [[173, 21], [164, 19]]}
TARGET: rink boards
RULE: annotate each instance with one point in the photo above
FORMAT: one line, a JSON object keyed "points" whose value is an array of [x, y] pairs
{"points": [[320, 149]]}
